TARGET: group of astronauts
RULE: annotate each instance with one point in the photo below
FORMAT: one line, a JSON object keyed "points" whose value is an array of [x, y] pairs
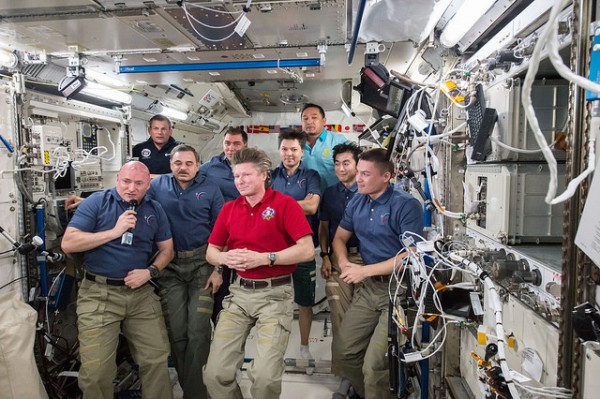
{"points": [[233, 240]]}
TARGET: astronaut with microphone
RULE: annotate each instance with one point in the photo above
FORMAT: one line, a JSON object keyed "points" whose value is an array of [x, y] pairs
{"points": [[117, 230]]}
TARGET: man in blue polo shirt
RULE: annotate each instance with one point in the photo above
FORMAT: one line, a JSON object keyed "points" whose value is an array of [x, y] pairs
{"points": [[291, 177], [318, 150], [379, 216], [334, 202], [188, 283], [219, 171], [154, 152], [117, 230]]}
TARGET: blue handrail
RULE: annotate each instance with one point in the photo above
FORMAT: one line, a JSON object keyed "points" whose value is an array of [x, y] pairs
{"points": [[357, 22]]}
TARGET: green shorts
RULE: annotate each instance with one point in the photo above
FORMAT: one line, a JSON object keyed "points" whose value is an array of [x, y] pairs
{"points": [[304, 283]]}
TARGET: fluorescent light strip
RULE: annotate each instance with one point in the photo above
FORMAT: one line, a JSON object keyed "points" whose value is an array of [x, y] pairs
{"points": [[106, 93], [173, 113], [465, 18], [104, 78]]}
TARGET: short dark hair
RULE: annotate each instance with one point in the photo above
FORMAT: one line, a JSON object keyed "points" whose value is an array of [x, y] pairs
{"points": [[237, 130], [379, 157], [347, 147], [160, 118], [184, 148], [311, 105], [293, 134], [259, 158]]}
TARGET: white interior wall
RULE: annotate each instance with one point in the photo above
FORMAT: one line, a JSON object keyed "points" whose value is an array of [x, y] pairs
{"points": [[9, 205]]}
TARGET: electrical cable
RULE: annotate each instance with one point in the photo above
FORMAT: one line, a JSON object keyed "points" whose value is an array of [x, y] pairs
{"points": [[12, 282], [550, 36], [293, 74], [440, 208], [519, 150], [191, 18], [417, 262], [56, 279], [556, 392], [434, 200], [496, 304], [356, 116]]}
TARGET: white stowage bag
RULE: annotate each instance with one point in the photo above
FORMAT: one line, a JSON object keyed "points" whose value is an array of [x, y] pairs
{"points": [[395, 20], [19, 376]]}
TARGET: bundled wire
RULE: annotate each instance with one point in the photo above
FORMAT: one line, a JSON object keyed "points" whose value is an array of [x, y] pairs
{"points": [[89, 158], [554, 392], [426, 140], [238, 16], [550, 37], [293, 74], [497, 307], [415, 262]]}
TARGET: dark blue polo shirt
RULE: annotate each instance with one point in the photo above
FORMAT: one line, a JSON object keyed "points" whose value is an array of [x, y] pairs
{"points": [[157, 161], [218, 170], [303, 182], [334, 202], [100, 212], [192, 212], [379, 224]]}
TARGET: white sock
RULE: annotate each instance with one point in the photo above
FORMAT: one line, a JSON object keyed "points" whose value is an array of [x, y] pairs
{"points": [[305, 352]]}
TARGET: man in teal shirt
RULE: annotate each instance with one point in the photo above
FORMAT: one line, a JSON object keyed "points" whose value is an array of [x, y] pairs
{"points": [[318, 151]]}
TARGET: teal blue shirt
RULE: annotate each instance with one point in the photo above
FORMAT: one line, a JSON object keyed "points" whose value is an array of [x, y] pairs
{"points": [[320, 157]]}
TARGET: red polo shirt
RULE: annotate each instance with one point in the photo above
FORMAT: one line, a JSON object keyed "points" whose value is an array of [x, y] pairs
{"points": [[274, 224]]}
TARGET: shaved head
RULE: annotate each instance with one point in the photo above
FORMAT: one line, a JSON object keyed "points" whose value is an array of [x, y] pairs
{"points": [[135, 165], [133, 180]]}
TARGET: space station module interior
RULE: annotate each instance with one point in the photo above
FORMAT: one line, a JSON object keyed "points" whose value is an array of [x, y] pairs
{"points": [[489, 110]]}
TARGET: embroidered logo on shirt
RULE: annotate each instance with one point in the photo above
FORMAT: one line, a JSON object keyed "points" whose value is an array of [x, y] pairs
{"points": [[384, 217], [149, 219], [301, 183], [146, 153], [326, 153], [268, 213], [200, 195]]}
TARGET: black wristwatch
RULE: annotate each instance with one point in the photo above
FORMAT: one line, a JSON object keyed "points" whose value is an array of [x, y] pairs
{"points": [[154, 271], [323, 254], [219, 269], [271, 258]]}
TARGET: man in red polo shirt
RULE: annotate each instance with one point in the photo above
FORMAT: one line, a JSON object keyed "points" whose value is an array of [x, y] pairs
{"points": [[266, 235]]}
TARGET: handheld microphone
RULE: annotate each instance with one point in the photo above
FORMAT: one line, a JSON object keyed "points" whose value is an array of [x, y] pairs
{"points": [[127, 237]]}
